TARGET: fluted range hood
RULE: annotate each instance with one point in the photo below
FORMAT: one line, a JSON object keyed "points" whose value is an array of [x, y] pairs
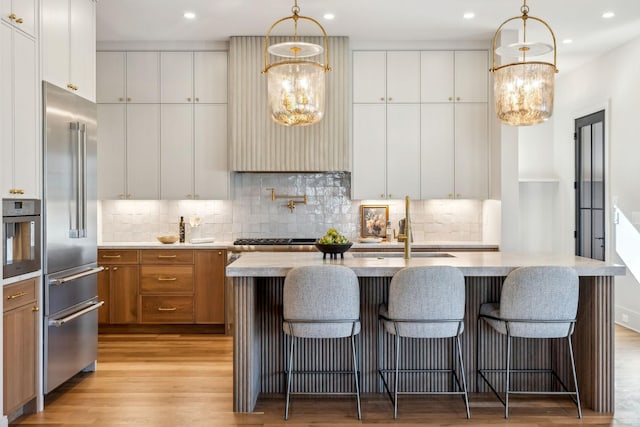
{"points": [[257, 144]]}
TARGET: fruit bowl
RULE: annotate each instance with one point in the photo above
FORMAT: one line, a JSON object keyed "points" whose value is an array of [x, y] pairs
{"points": [[333, 249], [168, 239]]}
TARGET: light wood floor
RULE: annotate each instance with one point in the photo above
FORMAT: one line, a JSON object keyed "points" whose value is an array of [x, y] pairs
{"points": [[186, 380]]}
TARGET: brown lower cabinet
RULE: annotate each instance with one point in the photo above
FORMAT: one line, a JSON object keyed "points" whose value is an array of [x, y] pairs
{"points": [[165, 286], [20, 332]]}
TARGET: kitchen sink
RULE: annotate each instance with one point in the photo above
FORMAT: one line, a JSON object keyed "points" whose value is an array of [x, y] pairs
{"points": [[381, 255]]}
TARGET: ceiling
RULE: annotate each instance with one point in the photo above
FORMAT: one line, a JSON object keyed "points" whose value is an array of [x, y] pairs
{"points": [[376, 20]]}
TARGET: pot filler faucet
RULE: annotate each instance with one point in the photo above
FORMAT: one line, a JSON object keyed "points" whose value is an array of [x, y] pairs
{"points": [[407, 232]]}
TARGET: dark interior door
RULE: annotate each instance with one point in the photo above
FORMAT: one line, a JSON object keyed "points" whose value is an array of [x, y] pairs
{"points": [[589, 186]]}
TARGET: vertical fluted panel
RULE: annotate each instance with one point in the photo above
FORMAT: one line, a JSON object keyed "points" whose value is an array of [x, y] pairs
{"points": [[246, 346], [260, 346], [259, 144], [594, 343]]}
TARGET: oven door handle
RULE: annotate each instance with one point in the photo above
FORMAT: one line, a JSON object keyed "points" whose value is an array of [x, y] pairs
{"points": [[63, 280], [59, 322]]}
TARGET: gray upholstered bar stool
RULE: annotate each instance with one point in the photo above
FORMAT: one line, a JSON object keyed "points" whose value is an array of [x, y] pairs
{"points": [[535, 302], [425, 302], [321, 301]]}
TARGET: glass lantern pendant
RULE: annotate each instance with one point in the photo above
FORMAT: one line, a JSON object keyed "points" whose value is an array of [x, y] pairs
{"points": [[523, 90], [296, 84]]}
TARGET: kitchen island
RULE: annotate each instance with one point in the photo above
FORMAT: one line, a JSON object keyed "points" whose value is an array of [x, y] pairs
{"points": [[259, 343]]}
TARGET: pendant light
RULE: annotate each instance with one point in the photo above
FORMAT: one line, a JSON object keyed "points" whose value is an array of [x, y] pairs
{"points": [[523, 90], [295, 83]]}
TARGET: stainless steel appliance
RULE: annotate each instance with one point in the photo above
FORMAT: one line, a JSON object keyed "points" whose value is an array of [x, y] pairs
{"points": [[70, 236], [274, 244], [20, 236]]}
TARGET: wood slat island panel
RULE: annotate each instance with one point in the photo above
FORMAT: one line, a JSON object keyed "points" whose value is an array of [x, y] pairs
{"points": [[259, 342]]}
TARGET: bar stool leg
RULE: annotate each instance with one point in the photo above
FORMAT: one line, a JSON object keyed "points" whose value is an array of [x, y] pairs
{"points": [[355, 374], [289, 374], [464, 380], [395, 391], [575, 378], [506, 385]]}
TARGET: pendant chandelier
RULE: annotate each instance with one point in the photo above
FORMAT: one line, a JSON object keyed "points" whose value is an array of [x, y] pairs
{"points": [[295, 83], [523, 90]]}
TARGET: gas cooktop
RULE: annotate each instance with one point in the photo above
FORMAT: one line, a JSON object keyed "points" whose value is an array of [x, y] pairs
{"points": [[274, 241]]}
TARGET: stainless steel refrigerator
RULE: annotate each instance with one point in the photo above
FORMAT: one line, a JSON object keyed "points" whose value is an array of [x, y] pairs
{"points": [[70, 235]]}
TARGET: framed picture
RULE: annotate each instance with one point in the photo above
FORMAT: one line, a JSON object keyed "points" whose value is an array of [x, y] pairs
{"points": [[374, 220]]}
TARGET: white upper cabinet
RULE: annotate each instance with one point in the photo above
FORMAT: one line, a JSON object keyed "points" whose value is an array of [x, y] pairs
{"points": [[403, 77], [143, 77], [143, 151], [176, 77], [19, 115], [211, 173], [403, 151], [369, 179], [454, 76], [21, 14], [112, 157], [437, 159], [69, 44], [472, 151], [132, 77], [176, 146], [110, 75], [386, 77], [210, 77]]}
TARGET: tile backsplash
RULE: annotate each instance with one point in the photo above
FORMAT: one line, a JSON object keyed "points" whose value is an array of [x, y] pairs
{"points": [[252, 212]]}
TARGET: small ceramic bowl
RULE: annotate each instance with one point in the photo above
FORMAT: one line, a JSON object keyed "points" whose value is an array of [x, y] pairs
{"points": [[168, 239]]}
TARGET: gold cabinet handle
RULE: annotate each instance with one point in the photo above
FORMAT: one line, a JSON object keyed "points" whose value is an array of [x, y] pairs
{"points": [[458, 196], [35, 308], [382, 98], [197, 99], [167, 308], [219, 252], [382, 196], [189, 196], [167, 279], [129, 196], [128, 99], [106, 269], [115, 268], [390, 196], [12, 16], [458, 99], [18, 295], [16, 191], [390, 99], [450, 98], [167, 256], [451, 195], [120, 99], [19, 20], [111, 256], [189, 99]]}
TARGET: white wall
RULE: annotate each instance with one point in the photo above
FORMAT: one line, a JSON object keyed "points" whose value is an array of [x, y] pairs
{"points": [[611, 82]]}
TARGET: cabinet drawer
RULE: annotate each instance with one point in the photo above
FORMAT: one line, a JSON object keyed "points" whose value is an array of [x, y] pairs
{"points": [[167, 309], [167, 256], [19, 294], [117, 256], [166, 279]]}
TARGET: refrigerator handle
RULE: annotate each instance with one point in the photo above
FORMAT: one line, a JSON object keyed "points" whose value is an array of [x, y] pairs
{"points": [[79, 211], [63, 280], [83, 181], [60, 322]]}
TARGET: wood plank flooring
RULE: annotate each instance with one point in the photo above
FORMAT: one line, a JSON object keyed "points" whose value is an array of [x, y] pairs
{"points": [[186, 380]]}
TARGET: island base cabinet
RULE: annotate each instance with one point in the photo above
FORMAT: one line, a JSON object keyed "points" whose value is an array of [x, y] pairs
{"points": [[210, 284], [19, 351]]}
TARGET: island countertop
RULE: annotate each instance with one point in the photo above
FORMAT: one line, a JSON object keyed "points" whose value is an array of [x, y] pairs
{"points": [[277, 264]]}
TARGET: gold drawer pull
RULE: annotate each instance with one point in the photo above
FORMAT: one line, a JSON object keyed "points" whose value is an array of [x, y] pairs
{"points": [[35, 308], [19, 20], [167, 308], [110, 256], [167, 279], [18, 295], [167, 256]]}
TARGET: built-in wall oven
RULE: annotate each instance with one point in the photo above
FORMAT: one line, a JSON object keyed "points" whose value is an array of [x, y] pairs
{"points": [[20, 236]]}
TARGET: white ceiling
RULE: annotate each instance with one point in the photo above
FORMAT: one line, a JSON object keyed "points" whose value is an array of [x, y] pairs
{"points": [[376, 20]]}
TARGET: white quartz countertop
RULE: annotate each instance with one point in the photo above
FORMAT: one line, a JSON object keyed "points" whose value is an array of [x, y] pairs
{"points": [[277, 264], [435, 245], [158, 245]]}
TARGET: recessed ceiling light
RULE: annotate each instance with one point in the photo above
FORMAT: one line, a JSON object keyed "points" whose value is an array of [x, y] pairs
{"points": [[189, 15], [469, 15], [608, 15], [329, 16], [567, 41]]}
